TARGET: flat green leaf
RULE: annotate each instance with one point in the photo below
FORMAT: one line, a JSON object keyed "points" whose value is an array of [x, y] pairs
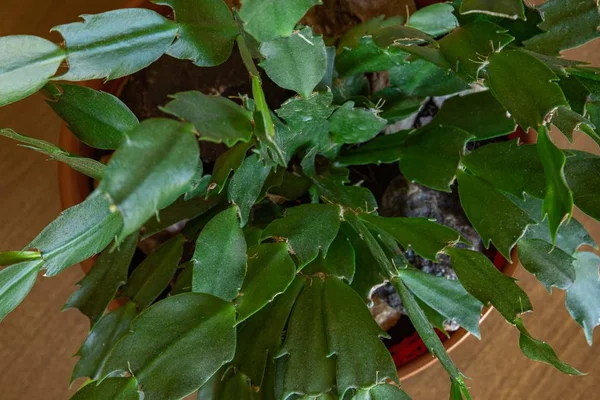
{"points": [[428, 335], [206, 31], [576, 93], [308, 228], [493, 215], [439, 148], [583, 296], [77, 234], [26, 65], [551, 266], [468, 48], [425, 237], [558, 202], [509, 167], [260, 337], [227, 162], [101, 340], [86, 166], [271, 19], [183, 283], [368, 57], [560, 66], [176, 345], [422, 78], [396, 34], [220, 257], [445, 296], [297, 63], [97, 118], [381, 392], [110, 389], [567, 24], [115, 43], [537, 350], [216, 119], [150, 171], [153, 275], [483, 281], [435, 20], [339, 261], [8, 258], [246, 185], [297, 111], [480, 114], [525, 86], [306, 344], [238, 387], [522, 29], [350, 125], [384, 149], [397, 106], [99, 286], [581, 173], [361, 359], [512, 9], [15, 283], [270, 271]]}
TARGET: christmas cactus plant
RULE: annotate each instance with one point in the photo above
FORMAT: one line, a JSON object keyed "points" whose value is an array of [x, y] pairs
{"points": [[261, 288]]}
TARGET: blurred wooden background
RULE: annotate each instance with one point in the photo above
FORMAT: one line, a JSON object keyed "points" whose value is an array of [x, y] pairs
{"points": [[37, 341]]}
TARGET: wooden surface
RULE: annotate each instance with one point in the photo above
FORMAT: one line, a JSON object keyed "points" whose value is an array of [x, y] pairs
{"points": [[38, 340]]}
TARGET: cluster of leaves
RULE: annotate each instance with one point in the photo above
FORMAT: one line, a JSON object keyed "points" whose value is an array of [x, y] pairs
{"points": [[273, 301]]}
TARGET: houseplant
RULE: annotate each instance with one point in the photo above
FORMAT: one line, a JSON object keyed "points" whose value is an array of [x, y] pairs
{"points": [[272, 299]]}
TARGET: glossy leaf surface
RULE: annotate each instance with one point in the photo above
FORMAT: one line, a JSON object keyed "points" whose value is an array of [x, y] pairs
{"points": [[584, 295], [551, 266], [351, 125], [15, 283], [512, 9]]}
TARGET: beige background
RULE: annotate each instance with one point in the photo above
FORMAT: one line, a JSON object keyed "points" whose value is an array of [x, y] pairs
{"points": [[38, 340]]}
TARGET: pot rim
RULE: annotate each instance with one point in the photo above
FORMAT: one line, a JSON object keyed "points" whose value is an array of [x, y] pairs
{"points": [[74, 188]]}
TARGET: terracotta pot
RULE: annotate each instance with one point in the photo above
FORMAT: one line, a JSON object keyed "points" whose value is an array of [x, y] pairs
{"points": [[75, 187]]}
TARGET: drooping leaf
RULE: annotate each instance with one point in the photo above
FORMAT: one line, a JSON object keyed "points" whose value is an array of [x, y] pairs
{"points": [[558, 202], [525, 86], [110, 389], [271, 19], [206, 31], [297, 63], [308, 228], [15, 283], [150, 171], [26, 65], [493, 215], [368, 57], [97, 118], [216, 119], [115, 43], [512, 9], [86, 166], [384, 149], [306, 344], [8, 258], [567, 24], [220, 256], [176, 345], [510, 167], [435, 20], [437, 147], [551, 266], [260, 337], [381, 392], [350, 125], [483, 281], [445, 296], [581, 173], [339, 261], [101, 340], [428, 335], [480, 114], [270, 271], [583, 296], [422, 78], [467, 48], [77, 234], [227, 162], [537, 350], [246, 185], [425, 237], [99, 286]]}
